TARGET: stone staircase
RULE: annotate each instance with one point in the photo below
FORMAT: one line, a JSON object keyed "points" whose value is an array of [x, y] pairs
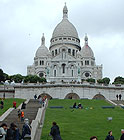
{"points": [[118, 102], [30, 112]]}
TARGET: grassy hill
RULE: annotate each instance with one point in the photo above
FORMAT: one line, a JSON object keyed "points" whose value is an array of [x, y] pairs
{"points": [[81, 124], [9, 103]]}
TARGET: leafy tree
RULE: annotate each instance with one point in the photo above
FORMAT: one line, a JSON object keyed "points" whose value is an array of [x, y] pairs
{"points": [[6, 76], [90, 80], [16, 78], [118, 80], [100, 81], [1, 75], [33, 79], [106, 80]]}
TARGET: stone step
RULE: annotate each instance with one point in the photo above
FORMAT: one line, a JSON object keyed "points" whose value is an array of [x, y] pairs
{"points": [[30, 112]]}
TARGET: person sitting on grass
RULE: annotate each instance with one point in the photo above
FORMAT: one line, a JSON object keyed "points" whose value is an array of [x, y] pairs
{"points": [[109, 137], [93, 138], [74, 105], [80, 106]]}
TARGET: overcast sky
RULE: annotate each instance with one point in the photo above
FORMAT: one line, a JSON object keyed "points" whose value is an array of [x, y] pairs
{"points": [[22, 23]]}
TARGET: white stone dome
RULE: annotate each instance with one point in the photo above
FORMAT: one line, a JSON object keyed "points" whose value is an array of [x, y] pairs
{"points": [[42, 50], [86, 51], [64, 29]]}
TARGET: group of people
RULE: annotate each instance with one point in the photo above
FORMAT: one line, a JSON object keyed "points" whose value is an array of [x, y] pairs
{"points": [[77, 106], [118, 97], [110, 136], [40, 99], [12, 132]]}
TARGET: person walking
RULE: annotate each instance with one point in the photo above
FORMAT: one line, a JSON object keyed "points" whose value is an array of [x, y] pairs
{"points": [[26, 130], [22, 116], [35, 96], [3, 129], [19, 114], [93, 138], [1, 104], [122, 136], [14, 104], [120, 96], [55, 132], [13, 133], [109, 137], [117, 97]]}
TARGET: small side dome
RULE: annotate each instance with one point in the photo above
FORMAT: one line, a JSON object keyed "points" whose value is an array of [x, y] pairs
{"points": [[42, 50], [86, 51]]}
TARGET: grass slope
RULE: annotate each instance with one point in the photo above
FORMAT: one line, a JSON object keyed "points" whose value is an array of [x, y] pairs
{"points": [[81, 124], [9, 103]]}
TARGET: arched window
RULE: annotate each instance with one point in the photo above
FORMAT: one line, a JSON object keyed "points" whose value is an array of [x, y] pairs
{"points": [[54, 73], [56, 52], [72, 73], [63, 68], [69, 51], [52, 53], [73, 52], [87, 62], [42, 62]]}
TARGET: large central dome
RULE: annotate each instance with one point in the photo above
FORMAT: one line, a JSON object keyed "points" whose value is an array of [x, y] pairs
{"points": [[65, 28], [65, 32]]}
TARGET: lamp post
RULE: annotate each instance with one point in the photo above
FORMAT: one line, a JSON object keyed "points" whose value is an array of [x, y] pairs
{"points": [[4, 89]]}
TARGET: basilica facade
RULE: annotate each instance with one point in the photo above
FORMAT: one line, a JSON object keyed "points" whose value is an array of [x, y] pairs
{"points": [[65, 60]]}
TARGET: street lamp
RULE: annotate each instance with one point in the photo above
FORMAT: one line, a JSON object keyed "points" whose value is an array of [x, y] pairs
{"points": [[4, 89]]}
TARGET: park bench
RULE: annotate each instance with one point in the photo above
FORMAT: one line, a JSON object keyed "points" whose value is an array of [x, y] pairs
{"points": [[56, 107], [122, 107], [105, 107]]}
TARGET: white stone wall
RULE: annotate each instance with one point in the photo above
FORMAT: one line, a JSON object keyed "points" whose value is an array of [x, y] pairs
{"points": [[61, 90]]}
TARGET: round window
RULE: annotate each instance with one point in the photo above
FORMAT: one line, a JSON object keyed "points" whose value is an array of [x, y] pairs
{"points": [[87, 74], [41, 74]]}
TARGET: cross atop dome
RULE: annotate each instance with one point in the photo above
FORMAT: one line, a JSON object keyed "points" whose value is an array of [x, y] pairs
{"points": [[86, 40], [65, 12], [43, 40]]}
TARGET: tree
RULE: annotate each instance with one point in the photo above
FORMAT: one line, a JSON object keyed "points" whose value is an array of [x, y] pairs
{"points": [[106, 80], [90, 80], [100, 81], [16, 78], [1, 75], [34, 79], [118, 80]]}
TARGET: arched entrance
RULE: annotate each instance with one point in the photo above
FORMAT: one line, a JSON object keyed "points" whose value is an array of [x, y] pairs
{"points": [[99, 96], [72, 96], [47, 95]]}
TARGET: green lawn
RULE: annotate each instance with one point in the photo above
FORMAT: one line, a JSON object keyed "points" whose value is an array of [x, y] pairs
{"points": [[81, 124], [9, 103]]}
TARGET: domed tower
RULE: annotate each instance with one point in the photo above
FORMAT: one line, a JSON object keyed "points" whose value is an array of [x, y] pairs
{"points": [[40, 60], [65, 33], [88, 66]]}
